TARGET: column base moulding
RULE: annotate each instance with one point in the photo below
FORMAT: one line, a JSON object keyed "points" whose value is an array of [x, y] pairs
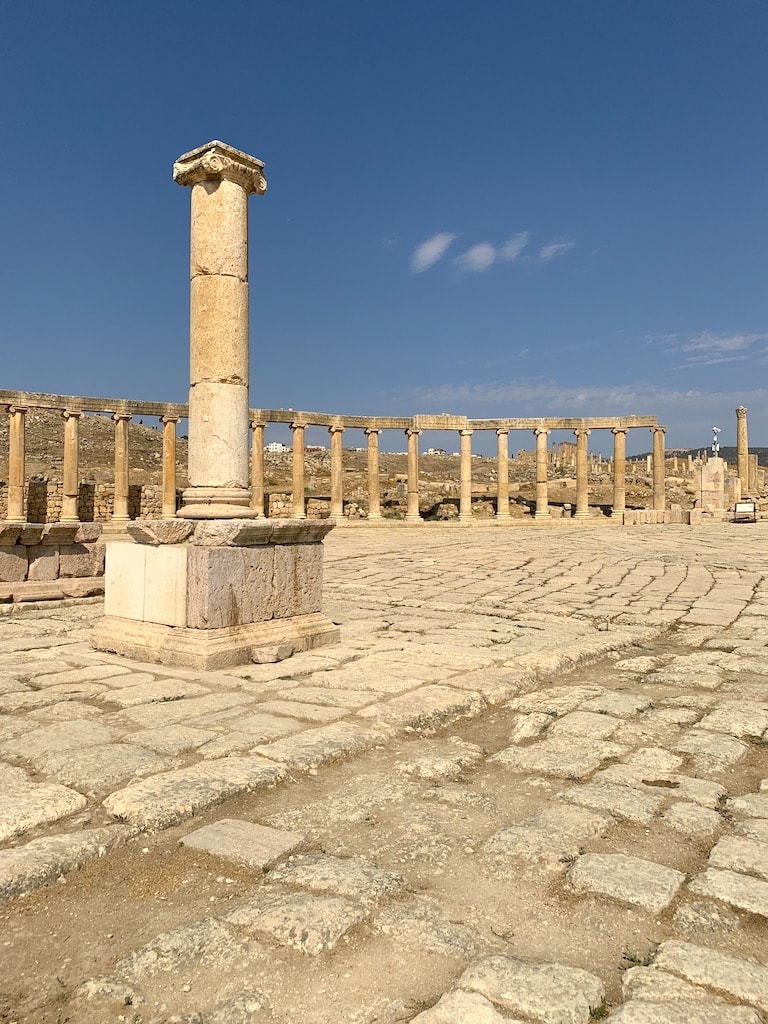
{"points": [[209, 649]]}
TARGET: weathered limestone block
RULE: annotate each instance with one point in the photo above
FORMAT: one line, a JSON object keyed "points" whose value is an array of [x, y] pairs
{"points": [[43, 562], [75, 560], [225, 406], [9, 533], [245, 842], [221, 307], [308, 923], [31, 533], [13, 563], [159, 531], [230, 586], [298, 579], [631, 880], [60, 533], [88, 532]]}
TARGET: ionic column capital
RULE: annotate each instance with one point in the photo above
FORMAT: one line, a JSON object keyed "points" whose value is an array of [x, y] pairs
{"points": [[582, 432], [412, 431], [336, 429], [13, 409], [297, 426], [119, 417], [216, 161], [70, 414], [371, 430], [741, 412], [618, 430], [658, 430], [502, 431], [169, 419], [538, 431]]}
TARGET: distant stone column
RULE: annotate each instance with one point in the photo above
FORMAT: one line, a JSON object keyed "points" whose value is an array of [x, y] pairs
{"points": [[542, 486], [337, 472], [374, 492], [221, 179], [582, 474], [122, 483], [71, 481], [297, 489], [752, 474], [502, 473], [169, 466], [659, 497], [619, 472], [742, 449], [16, 462], [465, 475], [412, 513], [257, 467]]}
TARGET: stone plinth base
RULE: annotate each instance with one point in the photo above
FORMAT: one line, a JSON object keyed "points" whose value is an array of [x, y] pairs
{"points": [[209, 648], [205, 593]]}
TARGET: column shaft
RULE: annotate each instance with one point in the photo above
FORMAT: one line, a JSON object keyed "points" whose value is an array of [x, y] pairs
{"points": [[120, 506], [465, 475], [374, 492], [337, 472], [582, 474], [169, 466], [502, 474], [542, 486], [16, 463], [742, 449], [297, 493], [221, 179], [257, 468], [619, 472], [71, 482], [412, 513], [659, 497]]}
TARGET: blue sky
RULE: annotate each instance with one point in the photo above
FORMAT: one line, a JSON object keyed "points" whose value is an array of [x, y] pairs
{"points": [[506, 208]]}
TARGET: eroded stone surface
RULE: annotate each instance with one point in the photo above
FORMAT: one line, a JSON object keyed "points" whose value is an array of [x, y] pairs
{"points": [[309, 923], [246, 842], [627, 879]]}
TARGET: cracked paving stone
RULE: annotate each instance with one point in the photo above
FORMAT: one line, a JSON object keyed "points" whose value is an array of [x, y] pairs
{"points": [[587, 724], [718, 749], [748, 856], [166, 799], [351, 878], [308, 923], [98, 770], [645, 1011], [752, 828], [172, 739], [245, 842], [551, 840], [690, 819], [547, 992], [620, 801], [442, 761], [555, 700], [740, 891], [528, 727], [753, 805], [745, 980], [739, 718], [682, 787], [425, 708], [26, 804], [621, 705], [313, 747], [24, 868], [420, 924], [650, 983], [50, 739], [563, 757], [464, 1008], [641, 883]]}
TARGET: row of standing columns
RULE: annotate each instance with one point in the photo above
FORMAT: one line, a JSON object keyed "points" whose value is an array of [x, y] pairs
{"points": [[16, 471], [71, 465], [541, 511]]}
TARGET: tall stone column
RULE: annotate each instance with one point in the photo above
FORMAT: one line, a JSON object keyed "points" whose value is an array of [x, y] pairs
{"points": [[412, 513], [465, 475], [337, 472], [257, 467], [71, 482], [221, 179], [659, 497], [619, 472], [297, 465], [542, 487], [16, 462], [502, 474], [169, 466], [122, 483], [582, 474], [742, 449], [374, 489]]}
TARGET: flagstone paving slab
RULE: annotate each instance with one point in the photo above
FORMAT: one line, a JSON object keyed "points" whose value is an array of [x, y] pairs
{"points": [[626, 879], [245, 842], [740, 891]]}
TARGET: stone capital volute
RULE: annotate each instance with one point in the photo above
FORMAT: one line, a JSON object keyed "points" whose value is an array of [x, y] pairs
{"points": [[412, 432], [372, 430], [216, 161], [120, 416], [335, 429], [618, 430], [502, 432], [255, 424], [538, 431], [582, 432], [658, 430], [70, 414], [168, 419], [466, 433], [741, 412]]}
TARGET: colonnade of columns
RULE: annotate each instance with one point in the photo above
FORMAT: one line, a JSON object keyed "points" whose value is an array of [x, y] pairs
{"points": [[71, 429], [71, 465]]}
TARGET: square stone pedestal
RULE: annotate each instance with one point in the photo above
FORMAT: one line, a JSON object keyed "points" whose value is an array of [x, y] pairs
{"points": [[204, 594]]}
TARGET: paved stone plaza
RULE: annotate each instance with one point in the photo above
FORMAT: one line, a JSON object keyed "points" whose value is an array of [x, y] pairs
{"points": [[530, 785]]}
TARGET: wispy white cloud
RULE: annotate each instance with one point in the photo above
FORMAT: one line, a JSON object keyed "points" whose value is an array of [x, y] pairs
{"points": [[430, 251], [512, 248], [557, 247], [708, 349], [477, 259]]}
